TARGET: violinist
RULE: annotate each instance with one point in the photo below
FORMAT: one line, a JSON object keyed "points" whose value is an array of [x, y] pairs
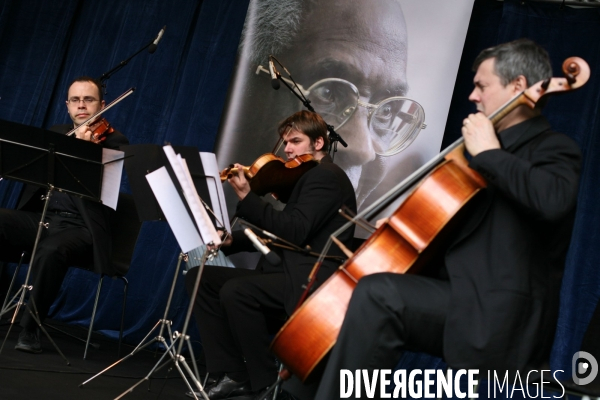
{"points": [[494, 303], [78, 230], [236, 310]]}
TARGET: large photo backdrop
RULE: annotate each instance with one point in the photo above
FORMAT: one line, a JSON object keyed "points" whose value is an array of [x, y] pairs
{"points": [[378, 71]]}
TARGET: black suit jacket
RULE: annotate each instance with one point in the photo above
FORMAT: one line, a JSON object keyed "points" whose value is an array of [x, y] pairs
{"points": [[309, 218], [505, 264], [95, 215]]}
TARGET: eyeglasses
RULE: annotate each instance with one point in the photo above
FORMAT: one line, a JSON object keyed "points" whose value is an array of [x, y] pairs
{"points": [[394, 123], [86, 100]]}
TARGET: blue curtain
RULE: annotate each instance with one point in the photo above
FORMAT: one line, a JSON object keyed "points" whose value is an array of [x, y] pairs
{"points": [[180, 92]]}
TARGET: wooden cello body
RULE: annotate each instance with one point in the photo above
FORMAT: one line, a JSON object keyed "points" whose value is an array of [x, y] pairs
{"points": [[405, 244], [414, 235]]}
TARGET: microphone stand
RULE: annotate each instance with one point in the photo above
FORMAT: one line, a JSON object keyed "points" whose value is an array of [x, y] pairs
{"points": [[107, 75], [310, 281], [334, 137], [286, 244]]}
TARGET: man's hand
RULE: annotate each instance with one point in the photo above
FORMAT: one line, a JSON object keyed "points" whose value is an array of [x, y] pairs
{"points": [[225, 242], [239, 183], [381, 222], [85, 133], [479, 134]]}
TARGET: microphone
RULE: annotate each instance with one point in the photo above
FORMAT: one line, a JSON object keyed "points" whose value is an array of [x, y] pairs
{"points": [[152, 47], [274, 81], [271, 256]]}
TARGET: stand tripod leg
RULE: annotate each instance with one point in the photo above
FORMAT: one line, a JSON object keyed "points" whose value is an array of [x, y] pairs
{"points": [[36, 318], [7, 299], [195, 375], [138, 348], [162, 322], [25, 286], [189, 371], [273, 389], [156, 367], [6, 337], [177, 357]]}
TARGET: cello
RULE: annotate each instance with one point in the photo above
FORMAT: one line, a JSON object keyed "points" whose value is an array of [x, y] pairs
{"points": [[441, 192]]}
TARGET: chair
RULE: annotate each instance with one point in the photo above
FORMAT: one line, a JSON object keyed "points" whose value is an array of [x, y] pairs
{"points": [[125, 228]]}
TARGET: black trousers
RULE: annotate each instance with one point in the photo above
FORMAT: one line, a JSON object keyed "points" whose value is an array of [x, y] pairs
{"points": [[66, 242], [237, 310], [388, 313]]}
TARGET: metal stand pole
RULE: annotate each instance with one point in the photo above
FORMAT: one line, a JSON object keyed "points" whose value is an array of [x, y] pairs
{"points": [[175, 356], [25, 286]]}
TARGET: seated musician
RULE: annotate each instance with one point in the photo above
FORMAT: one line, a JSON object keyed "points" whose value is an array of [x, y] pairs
{"points": [[497, 307], [78, 232], [234, 307]]}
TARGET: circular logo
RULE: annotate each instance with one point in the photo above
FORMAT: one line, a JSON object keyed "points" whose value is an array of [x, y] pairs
{"points": [[585, 368]]}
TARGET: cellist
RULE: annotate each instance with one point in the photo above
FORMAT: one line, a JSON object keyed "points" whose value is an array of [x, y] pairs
{"points": [[233, 306], [494, 303]]}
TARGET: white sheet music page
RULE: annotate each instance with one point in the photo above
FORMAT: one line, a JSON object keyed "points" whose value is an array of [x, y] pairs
{"points": [[111, 177], [215, 188], [203, 222], [172, 206]]}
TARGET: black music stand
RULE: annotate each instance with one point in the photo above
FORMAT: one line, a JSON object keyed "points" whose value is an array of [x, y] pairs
{"points": [[140, 160], [53, 161]]}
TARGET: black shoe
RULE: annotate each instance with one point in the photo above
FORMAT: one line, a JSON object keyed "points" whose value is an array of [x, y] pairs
{"points": [[228, 388], [29, 341]]}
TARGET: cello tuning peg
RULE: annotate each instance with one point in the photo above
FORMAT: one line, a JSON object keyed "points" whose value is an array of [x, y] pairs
{"points": [[546, 83]]}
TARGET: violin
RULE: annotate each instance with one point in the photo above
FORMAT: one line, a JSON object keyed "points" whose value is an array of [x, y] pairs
{"points": [[416, 233], [100, 128], [272, 174]]}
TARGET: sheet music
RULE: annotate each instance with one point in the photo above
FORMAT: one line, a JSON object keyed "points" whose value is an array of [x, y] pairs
{"points": [[215, 188], [111, 177], [172, 206], [203, 222]]}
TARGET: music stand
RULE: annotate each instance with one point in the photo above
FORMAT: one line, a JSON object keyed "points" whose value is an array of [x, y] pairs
{"points": [[142, 159], [147, 158], [56, 162]]}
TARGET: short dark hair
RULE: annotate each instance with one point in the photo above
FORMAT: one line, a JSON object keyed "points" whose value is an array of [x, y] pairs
{"points": [[309, 123], [88, 79], [519, 57]]}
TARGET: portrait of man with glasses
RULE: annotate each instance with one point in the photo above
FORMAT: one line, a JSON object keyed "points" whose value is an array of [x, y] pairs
{"points": [[350, 60]]}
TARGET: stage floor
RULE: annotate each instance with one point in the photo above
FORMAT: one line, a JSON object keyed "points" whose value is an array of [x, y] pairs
{"points": [[47, 375]]}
